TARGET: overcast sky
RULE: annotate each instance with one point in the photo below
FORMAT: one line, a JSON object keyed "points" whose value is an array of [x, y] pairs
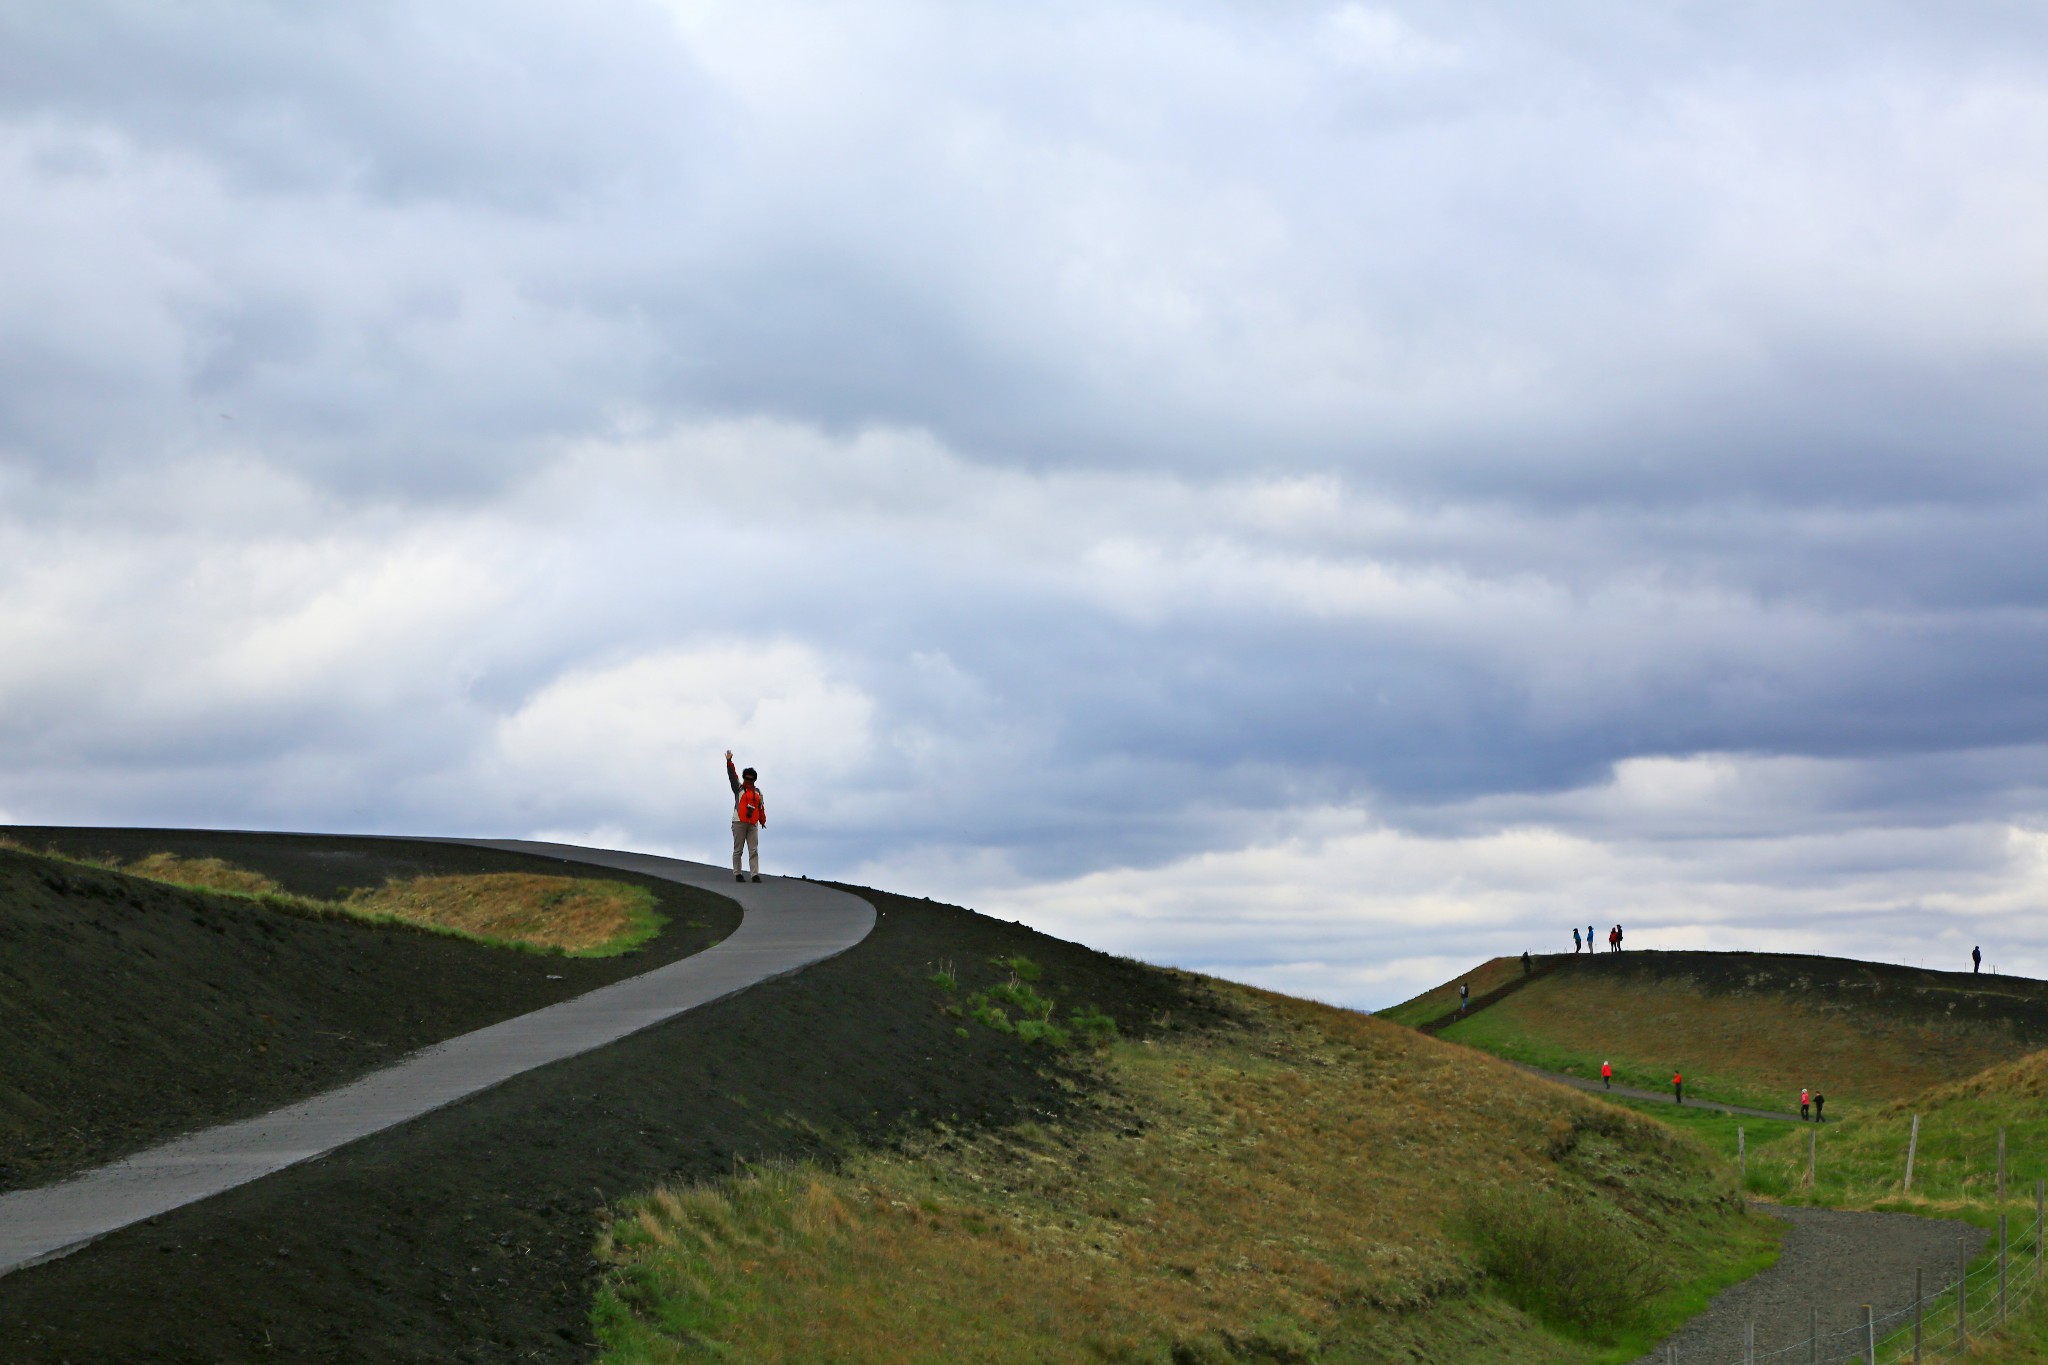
{"points": [[1316, 493]]}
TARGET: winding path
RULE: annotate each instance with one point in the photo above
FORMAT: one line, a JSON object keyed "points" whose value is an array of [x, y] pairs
{"points": [[787, 924], [1630, 1092], [1832, 1262]]}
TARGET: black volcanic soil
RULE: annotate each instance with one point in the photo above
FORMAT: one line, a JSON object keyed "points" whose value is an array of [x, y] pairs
{"points": [[467, 1234], [131, 1011]]}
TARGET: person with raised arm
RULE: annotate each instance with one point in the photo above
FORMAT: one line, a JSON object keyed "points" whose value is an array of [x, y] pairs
{"points": [[749, 814]]}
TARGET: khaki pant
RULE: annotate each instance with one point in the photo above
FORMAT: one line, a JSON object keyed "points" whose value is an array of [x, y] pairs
{"points": [[746, 836]]}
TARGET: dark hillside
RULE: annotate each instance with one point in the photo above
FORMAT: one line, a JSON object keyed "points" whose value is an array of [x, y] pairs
{"points": [[131, 1011], [468, 1235], [1755, 1027]]}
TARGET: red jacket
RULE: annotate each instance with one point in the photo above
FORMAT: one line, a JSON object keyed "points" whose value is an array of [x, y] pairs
{"points": [[748, 807]]}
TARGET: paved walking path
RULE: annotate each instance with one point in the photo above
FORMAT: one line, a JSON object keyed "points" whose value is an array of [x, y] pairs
{"points": [[1656, 1096], [787, 924]]}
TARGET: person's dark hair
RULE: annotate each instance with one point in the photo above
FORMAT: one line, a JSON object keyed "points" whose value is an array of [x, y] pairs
{"points": [[748, 772]]}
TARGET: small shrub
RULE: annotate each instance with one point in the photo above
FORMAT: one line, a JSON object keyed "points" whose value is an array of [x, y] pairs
{"points": [[944, 979], [1095, 1028], [993, 1016], [1014, 994], [1560, 1259], [1019, 966], [1043, 1031]]}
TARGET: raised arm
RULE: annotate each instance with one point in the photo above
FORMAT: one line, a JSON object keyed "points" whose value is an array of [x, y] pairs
{"points": [[732, 774]]}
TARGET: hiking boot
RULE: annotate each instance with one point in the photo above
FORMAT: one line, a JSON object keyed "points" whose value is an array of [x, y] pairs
{"points": [[757, 876], [739, 877]]}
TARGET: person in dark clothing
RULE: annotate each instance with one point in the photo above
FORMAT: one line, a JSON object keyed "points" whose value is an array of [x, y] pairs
{"points": [[749, 815], [1976, 960], [1464, 994], [1820, 1105], [1525, 962], [1589, 939], [1618, 936], [1678, 1087], [1575, 941]]}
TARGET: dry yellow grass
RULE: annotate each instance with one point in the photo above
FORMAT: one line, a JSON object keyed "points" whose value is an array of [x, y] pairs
{"points": [[211, 873], [1286, 1192], [578, 915], [575, 914]]}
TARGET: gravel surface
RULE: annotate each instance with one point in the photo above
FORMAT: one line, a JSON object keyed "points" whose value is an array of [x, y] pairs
{"points": [[1833, 1260]]}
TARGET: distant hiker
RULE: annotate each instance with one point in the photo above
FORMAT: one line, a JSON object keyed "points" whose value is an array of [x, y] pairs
{"points": [[1678, 1087], [1589, 938], [1575, 941], [1618, 936], [1464, 994], [1607, 1075], [1525, 962], [1805, 1098], [1820, 1104], [1976, 960], [1614, 939], [749, 813]]}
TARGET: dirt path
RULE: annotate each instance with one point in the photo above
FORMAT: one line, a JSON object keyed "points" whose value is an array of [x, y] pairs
{"points": [[1654, 1096], [1834, 1261]]}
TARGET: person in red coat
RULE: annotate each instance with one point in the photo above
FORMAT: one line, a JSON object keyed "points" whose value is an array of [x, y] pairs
{"points": [[1607, 1075], [749, 814], [1678, 1087]]}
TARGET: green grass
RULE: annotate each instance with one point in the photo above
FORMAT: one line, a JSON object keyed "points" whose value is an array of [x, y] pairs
{"points": [[1712, 1127], [1501, 1032]]}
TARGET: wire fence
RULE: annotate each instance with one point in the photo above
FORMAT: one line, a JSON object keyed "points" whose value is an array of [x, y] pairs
{"points": [[1939, 1322]]}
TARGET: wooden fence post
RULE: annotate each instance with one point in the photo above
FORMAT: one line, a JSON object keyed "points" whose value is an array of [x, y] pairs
{"points": [[1869, 1335], [1812, 1333], [2001, 1267], [1912, 1146], [2039, 1226], [1741, 1154], [2001, 1163], [1749, 1343]]}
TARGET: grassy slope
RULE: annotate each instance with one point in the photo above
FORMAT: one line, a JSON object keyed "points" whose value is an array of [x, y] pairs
{"points": [[1755, 1028], [1441, 1000], [1862, 1162], [1278, 1191]]}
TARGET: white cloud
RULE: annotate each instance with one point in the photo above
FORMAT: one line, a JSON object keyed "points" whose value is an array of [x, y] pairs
{"points": [[643, 736]]}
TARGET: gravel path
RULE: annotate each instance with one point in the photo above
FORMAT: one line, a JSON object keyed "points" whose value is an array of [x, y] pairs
{"points": [[1834, 1260]]}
